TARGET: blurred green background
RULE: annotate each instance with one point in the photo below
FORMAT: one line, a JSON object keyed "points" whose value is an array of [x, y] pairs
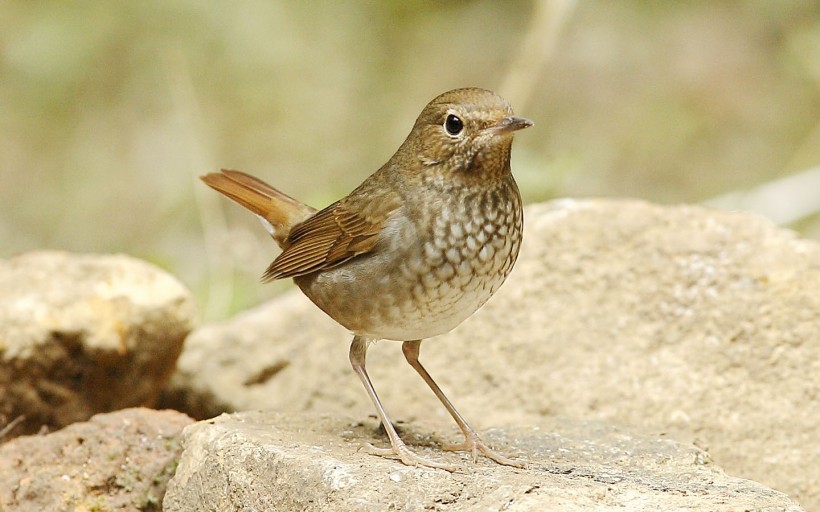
{"points": [[110, 110]]}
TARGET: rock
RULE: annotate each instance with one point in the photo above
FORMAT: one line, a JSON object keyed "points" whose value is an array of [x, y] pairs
{"points": [[695, 322], [243, 364], [81, 334], [266, 461], [116, 461]]}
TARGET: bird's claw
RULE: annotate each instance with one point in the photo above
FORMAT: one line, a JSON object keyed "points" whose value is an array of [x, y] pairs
{"points": [[474, 445], [407, 457]]}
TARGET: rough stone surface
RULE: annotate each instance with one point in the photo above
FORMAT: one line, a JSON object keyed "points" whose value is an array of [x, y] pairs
{"points": [[266, 461], [699, 323], [81, 334], [115, 461]]}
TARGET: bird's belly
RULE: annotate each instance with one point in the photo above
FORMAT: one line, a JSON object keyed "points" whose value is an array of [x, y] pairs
{"points": [[422, 291]]}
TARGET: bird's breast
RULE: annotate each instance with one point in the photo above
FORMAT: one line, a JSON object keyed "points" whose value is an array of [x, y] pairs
{"points": [[471, 250], [433, 267]]}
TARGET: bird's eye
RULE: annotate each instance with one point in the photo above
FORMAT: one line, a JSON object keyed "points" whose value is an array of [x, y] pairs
{"points": [[453, 125]]}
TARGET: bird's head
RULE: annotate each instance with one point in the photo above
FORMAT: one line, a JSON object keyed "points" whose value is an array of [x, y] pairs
{"points": [[466, 131]]}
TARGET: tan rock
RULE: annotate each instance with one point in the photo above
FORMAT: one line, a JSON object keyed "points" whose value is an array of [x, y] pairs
{"points": [[81, 334], [266, 461], [695, 322]]}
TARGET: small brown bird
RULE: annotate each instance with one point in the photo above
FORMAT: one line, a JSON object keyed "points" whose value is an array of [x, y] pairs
{"points": [[415, 249]]}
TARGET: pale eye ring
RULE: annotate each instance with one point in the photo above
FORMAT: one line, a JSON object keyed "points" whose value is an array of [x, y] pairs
{"points": [[453, 125]]}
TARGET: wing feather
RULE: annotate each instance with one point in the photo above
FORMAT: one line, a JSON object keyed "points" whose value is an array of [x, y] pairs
{"points": [[334, 235]]}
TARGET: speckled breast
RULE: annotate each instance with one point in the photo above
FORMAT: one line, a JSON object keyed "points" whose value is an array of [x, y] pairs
{"points": [[429, 274]]}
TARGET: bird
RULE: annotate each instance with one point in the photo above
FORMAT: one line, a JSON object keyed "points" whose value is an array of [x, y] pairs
{"points": [[415, 249]]}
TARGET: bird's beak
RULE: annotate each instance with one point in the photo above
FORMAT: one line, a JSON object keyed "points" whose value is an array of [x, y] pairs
{"points": [[509, 124]]}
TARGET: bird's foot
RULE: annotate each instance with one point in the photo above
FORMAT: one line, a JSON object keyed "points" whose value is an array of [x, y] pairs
{"points": [[473, 445], [407, 457]]}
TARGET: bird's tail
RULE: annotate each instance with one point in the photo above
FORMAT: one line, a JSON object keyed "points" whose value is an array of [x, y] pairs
{"points": [[277, 211]]}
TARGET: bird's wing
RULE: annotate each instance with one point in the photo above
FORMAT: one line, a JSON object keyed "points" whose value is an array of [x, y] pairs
{"points": [[343, 230]]}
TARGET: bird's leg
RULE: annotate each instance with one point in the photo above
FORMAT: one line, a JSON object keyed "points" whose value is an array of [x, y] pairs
{"points": [[472, 443], [358, 349]]}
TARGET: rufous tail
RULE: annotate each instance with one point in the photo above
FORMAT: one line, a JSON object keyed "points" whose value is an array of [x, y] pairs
{"points": [[279, 210]]}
